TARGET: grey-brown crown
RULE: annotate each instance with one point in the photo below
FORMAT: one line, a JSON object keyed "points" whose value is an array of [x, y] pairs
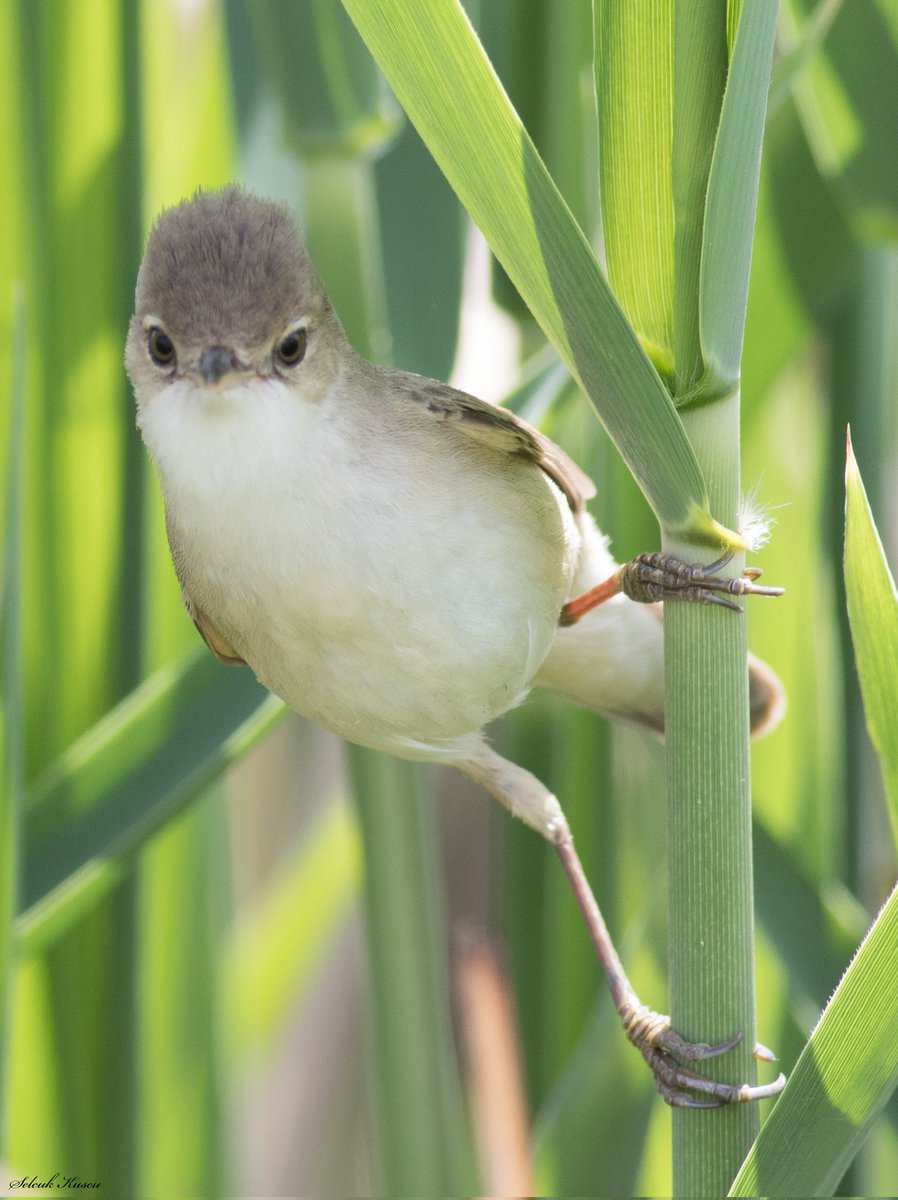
{"points": [[227, 267]]}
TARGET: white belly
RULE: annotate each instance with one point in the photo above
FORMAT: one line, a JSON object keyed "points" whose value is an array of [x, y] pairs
{"points": [[402, 598]]}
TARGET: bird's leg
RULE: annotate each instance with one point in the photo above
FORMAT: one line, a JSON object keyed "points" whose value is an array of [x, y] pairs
{"points": [[650, 1032], [649, 578]]}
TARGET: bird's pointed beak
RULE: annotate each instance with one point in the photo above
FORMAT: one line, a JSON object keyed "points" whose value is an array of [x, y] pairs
{"points": [[217, 362]]}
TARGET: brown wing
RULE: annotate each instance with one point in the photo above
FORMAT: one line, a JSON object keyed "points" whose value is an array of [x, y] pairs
{"points": [[220, 647], [501, 430], [216, 641]]}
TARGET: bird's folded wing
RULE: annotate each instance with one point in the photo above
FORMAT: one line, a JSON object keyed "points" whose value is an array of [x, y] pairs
{"points": [[500, 430], [219, 646]]}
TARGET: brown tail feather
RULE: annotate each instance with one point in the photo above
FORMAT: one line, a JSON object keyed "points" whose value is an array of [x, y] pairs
{"points": [[766, 698]]}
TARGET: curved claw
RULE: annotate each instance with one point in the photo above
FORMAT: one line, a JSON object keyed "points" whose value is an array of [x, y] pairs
{"points": [[762, 1053], [671, 1042], [718, 564]]}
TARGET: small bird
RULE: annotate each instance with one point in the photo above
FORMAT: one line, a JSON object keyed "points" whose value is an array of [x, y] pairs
{"points": [[397, 560]]}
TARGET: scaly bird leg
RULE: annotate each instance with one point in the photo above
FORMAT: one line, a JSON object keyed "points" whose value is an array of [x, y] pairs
{"points": [[650, 1032], [649, 578]]}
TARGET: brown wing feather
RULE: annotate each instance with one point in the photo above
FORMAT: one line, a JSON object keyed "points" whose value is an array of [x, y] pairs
{"points": [[501, 430], [220, 647], [216, 643]]}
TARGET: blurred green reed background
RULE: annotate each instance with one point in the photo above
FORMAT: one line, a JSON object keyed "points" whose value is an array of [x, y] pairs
{"points": [[191, 1003]]}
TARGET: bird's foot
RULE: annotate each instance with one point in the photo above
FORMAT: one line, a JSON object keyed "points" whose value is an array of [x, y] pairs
{"points": [[666, 1053], [652, 577]]}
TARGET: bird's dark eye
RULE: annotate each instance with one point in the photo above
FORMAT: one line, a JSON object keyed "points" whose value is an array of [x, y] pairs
{"points": [[161, 347], [291, 349]]}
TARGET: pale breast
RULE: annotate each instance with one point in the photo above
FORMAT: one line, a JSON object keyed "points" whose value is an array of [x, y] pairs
{"points": [[396, 583]]}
